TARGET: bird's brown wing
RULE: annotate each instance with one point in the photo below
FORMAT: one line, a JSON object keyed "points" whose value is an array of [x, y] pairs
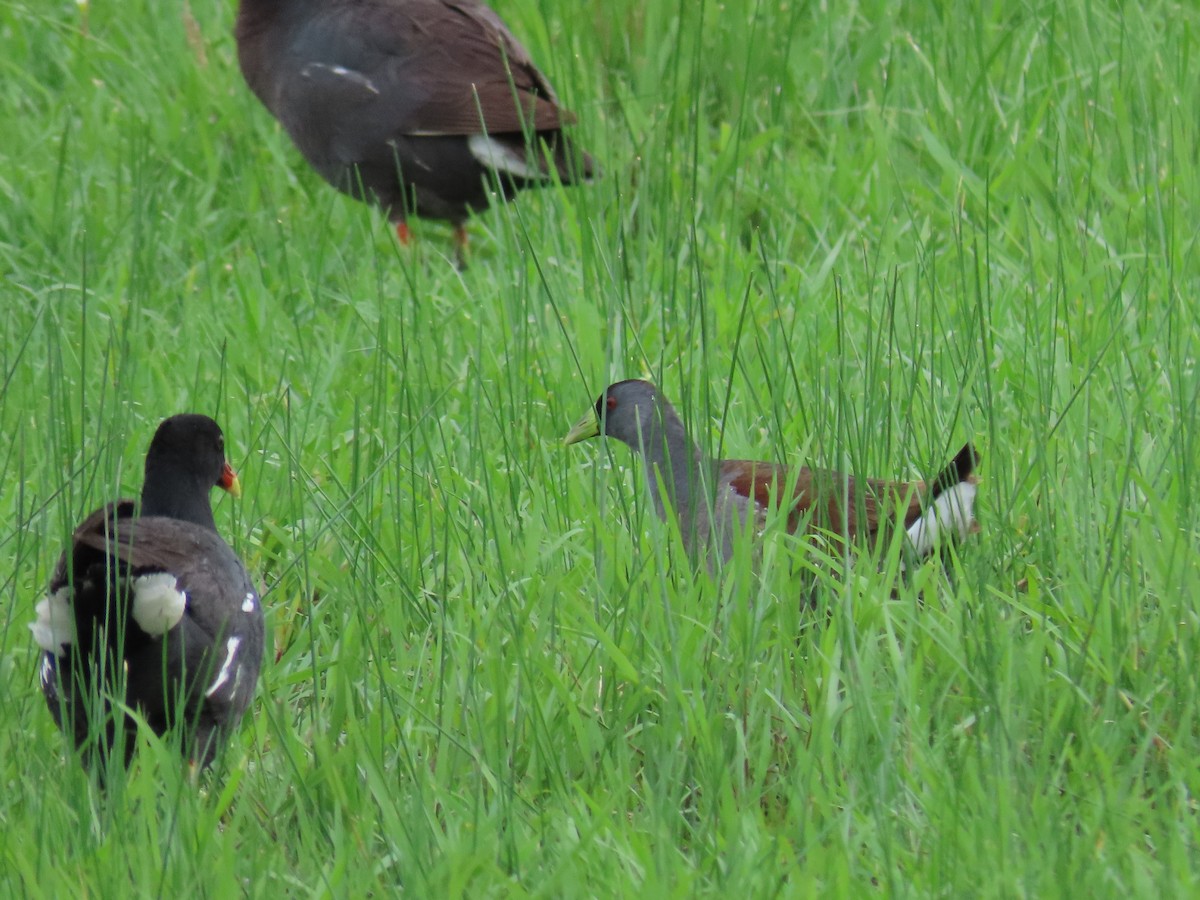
{"points": [[840, 503], [822, 498], [420, 68], [477, 76], [513, 52], [149, 544], [202, 563]]}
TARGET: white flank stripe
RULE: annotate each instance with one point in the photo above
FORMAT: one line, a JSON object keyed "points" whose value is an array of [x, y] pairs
{"points": [[158, 604], [953, 510], [54, 628], [501, 158], [47, 671], [248, 603], [231, 646], [351, 75]]}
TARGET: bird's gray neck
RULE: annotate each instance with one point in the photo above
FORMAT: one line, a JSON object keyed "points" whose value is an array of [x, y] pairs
{"points": [[676, 467]]}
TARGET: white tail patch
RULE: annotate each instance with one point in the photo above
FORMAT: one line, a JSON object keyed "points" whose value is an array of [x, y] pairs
{"points": [[231, 646], [248, 602], [952, 513], [501, 157], [54, 628], [158, 604]]}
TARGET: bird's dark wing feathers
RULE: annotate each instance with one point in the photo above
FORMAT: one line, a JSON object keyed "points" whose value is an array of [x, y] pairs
{"points": [[412, 69], [204, 566]]}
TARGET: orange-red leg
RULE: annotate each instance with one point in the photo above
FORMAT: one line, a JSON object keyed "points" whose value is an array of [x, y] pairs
{"points": [[460, 246]]}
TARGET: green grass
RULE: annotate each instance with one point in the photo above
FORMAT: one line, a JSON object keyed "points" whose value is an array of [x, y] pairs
{"points": [[849, 234]]}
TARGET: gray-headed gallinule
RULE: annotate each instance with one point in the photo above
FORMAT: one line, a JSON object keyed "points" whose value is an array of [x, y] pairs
{"points": [[151, 610], [419, 106], [712, 501]]}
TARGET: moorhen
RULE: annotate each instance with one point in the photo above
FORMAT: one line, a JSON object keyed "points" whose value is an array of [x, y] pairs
{"points": [[635, 413], [418, 106], [150, 610]]}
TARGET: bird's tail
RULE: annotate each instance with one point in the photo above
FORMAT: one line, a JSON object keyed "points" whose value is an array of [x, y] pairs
{"points": [[952, 512], [574, 164]]}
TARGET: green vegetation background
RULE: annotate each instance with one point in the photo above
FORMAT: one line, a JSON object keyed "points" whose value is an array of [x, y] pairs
{"points": [[853, 234]]}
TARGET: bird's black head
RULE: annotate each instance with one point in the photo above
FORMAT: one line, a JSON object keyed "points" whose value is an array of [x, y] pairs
{"points": [[185, 461]]}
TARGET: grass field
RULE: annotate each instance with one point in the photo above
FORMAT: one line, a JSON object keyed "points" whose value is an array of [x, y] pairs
{"points": [[852, 234]]}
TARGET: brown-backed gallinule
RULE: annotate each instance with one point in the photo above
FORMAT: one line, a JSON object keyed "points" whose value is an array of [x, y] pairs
{"points": [[151, 610], [420, 106], [712, 501]]}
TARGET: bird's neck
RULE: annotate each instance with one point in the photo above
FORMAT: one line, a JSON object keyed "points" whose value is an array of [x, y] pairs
{"points": [[177, 496], [677, 472]]}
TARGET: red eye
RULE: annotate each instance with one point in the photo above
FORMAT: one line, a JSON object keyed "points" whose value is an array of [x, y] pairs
{"points": [[611, 402]]}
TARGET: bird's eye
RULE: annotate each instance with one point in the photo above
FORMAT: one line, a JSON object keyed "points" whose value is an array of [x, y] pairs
{"points": [[611, 403], [221, 443]]}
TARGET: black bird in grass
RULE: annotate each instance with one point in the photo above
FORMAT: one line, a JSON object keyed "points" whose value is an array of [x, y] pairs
{"points": [[151, 611], [421, 107]]}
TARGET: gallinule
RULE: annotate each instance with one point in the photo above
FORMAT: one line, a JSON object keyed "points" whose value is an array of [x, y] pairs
{"points": [[713, 500], [150, 609], [419, 106]]}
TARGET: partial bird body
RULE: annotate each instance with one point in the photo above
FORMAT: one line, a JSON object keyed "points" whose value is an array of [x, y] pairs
{"points": [[141, 610], [419, 106], [714, 501]]}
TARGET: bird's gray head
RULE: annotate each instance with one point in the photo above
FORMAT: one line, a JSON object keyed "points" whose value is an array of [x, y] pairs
{"points": [[627, 411]]}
